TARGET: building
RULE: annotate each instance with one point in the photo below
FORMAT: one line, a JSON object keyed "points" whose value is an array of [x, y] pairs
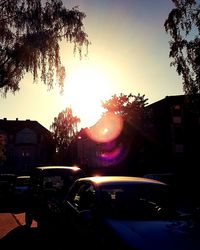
{"points": [[26, 144], [173, 129], [83, 151], [99, 157], [168, 140]]}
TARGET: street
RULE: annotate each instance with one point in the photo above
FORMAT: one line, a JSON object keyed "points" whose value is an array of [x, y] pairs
{"points": [[14, 232], [9, 222]]}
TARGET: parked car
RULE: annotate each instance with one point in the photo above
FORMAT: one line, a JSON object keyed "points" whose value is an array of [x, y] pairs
{"points": [[7, 182], [47, 187], [119, 212], [168, 178], [20, 190]]}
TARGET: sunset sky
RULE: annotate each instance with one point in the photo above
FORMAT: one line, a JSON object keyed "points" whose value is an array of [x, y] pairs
{"points": [[128, 54]]}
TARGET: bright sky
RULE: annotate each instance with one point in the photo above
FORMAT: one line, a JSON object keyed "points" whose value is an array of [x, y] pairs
{"points": [[128, 54]]}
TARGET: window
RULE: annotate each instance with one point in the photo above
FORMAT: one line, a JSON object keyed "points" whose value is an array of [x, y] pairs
{"points": [[177, 110], [176, 119], [26, 136], [176, 114], [84, 196]]}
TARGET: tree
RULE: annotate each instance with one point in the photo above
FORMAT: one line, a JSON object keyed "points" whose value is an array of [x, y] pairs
{"points": [[30, 33], [183, 25], [132, 137], [129, 107], [64, 129]]}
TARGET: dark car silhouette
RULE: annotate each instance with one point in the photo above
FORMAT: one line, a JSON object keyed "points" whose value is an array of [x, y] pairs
{"points": [[119, 212], [47, 187], [7, 183]]}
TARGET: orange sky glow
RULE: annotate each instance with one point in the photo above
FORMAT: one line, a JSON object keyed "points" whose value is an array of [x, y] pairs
{"points": [[129, 53]]}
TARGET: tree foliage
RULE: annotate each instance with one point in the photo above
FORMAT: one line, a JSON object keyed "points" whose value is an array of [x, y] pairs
{"points": [[30, 33], [183, 25], [130, 107], [64, 129]]}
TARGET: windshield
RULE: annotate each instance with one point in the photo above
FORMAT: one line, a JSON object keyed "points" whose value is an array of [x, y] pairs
{"points": [[138, 201]]}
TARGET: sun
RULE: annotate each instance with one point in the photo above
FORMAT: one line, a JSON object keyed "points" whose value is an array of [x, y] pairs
{"points": [[85, 87]]}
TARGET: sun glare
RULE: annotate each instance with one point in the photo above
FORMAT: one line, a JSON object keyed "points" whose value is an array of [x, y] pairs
{"points": [[85, 87]]}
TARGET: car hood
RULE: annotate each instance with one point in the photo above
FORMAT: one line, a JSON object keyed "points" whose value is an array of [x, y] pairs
{"points": [[157, 235]]}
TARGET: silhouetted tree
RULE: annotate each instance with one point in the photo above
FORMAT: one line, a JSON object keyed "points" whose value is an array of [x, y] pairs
{"points": [[130, 107], [30, 32], [64, 129], [183, 25]]}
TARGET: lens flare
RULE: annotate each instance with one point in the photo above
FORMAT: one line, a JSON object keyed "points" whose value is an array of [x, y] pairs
{"points": [[112, 155], [107, 128], [109, 155]]}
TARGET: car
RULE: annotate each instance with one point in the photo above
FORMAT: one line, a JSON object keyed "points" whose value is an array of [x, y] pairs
{"points": [[20, 190], [126, 212], [21, 184], [47, 187], [7, 182], [168, 178]]}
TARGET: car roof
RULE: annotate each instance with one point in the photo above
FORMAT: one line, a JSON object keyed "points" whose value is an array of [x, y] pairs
{"points": [[23, 177], [43, 168], [120, 179]]}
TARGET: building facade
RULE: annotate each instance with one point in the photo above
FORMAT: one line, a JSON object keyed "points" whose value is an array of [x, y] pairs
{"points": [[173, 129], [26, 144]]}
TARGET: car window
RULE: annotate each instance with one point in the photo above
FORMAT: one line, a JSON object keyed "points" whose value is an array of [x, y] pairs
{"points": [[73, 194], [56, 182], [22, 181], [82, 196], [57, 179], [35, 183], [60, 179], [87, 198], [138, 201]]}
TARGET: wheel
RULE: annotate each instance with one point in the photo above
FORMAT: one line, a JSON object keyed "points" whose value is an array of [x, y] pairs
{"points": [[28, 219]]}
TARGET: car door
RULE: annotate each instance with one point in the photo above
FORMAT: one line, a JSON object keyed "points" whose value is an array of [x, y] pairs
{"points": [[81, 205]]}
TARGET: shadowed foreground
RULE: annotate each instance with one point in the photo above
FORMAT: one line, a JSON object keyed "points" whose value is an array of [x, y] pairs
{"points": [[26, 238]]}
